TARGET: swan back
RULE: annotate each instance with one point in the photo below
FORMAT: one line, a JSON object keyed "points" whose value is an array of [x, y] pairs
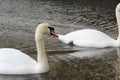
{"points": [[13, 61], [88, 38]]}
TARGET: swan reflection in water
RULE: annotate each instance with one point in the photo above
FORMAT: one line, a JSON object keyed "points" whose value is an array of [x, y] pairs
{"points": [[92, 52], [85, 64], [43, 76], [117, 65]]}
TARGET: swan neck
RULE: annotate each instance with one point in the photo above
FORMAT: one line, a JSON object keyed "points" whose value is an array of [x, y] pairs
{"points": [[59, 35], [41, 53], [118, 23]]}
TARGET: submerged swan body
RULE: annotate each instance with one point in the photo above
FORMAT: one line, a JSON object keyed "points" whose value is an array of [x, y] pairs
{"points": [[91, 37], [13, 61]]}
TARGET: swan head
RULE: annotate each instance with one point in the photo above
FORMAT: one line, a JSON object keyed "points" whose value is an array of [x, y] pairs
{"points": [[46, 28], [118, 9]]}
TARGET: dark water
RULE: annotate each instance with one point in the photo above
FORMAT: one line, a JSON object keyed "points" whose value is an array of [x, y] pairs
{"points": [[18, 21]]}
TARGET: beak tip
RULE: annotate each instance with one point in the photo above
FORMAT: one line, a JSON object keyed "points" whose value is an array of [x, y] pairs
{"points": [[54, 34]]}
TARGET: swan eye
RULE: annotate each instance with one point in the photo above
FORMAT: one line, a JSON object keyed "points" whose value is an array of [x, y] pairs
{"points": [[51, 28], [52, 32]]}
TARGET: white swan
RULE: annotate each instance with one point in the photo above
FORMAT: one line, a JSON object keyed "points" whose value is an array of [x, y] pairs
{"points": [[91, 37], [13, 61]]}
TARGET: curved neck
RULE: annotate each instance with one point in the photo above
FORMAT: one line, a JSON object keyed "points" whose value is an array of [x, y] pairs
{"points": [[41, 54], [118, 22]]}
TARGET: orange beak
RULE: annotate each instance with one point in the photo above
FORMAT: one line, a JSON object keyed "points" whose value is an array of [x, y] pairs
{"points": [[53, 33]]}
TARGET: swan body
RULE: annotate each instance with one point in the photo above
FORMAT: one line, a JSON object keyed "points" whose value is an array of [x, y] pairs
{"points": [[88, 38], [91, 37], [13, 61]]}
